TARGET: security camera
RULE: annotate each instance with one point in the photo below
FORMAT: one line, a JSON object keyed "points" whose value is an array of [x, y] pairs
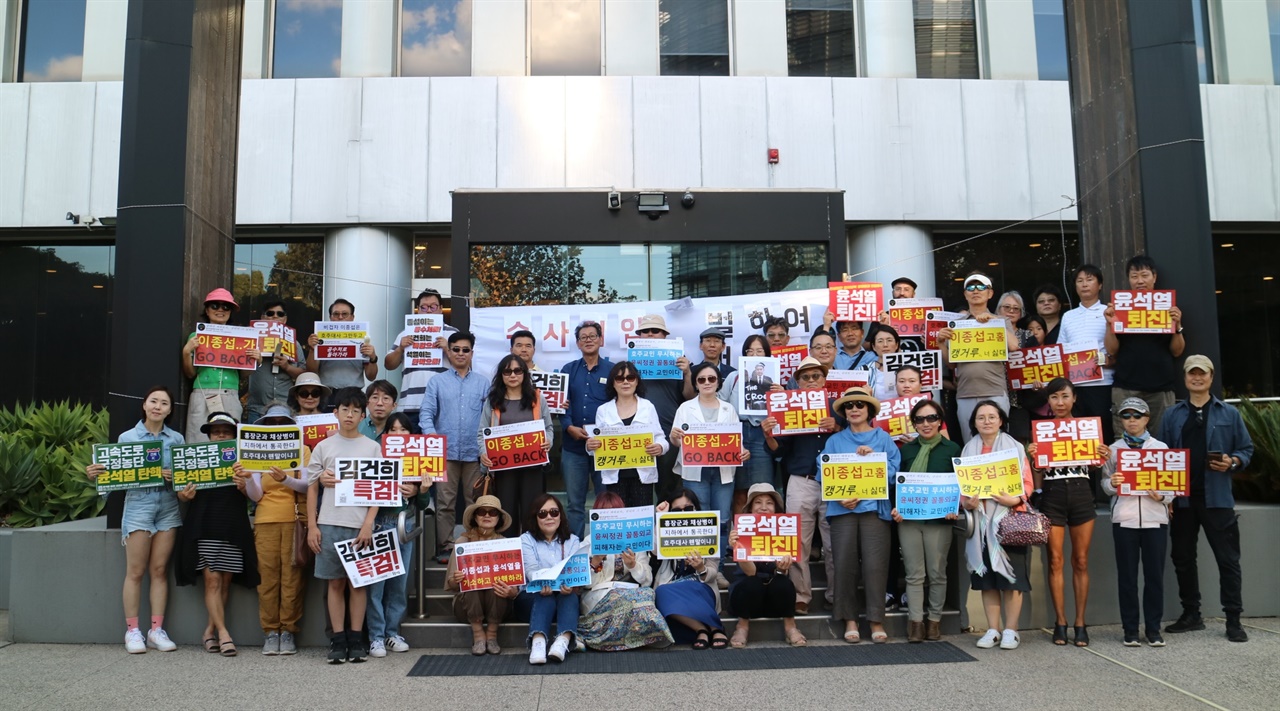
{"points": [[73, 218], [687, 200], [615, 200]]}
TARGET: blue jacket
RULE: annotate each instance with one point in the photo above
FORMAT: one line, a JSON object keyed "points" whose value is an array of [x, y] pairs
{"points": [[847, 442], [1225, 432]]}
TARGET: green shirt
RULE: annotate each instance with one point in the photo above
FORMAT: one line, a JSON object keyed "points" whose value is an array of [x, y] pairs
{"points": [[210, 378]]}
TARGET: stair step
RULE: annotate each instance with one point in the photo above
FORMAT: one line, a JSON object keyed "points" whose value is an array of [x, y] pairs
{"points": [[440, 603]]}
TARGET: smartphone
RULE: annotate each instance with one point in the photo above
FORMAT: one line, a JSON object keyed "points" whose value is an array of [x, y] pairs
{"points": [[1216, 455]]}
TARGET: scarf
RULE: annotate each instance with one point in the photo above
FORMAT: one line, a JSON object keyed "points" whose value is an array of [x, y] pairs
{"points": [[989, 515], [921, 462], [1135, 442]]}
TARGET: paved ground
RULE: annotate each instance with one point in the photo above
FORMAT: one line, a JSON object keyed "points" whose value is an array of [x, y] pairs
{"points": [[1196, 671]]}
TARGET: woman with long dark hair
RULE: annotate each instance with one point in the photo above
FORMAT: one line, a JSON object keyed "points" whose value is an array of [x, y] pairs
{"points": [[759, 468], [627, 406], [685, 590], [513, 399]]}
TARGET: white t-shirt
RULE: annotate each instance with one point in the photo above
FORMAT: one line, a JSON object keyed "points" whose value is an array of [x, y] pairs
{"points": [[413, 381], [323, 457], [1086, 325]]}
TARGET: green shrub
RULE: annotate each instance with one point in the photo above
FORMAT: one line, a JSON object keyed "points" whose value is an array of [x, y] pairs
{"points": [[1261, 480], [44, 450]]}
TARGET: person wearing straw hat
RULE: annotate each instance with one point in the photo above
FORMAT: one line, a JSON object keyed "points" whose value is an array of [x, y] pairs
{"points": [[213, 389], [762, 589], [485, 520], [307, 393], [666, 396]]}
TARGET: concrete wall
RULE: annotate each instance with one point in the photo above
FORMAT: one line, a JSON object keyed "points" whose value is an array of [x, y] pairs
{"points": [[6, 565]]}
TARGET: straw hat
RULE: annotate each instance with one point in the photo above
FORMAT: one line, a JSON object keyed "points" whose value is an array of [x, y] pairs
{"points": [[312, 379], [810, 362], [763, 489], [649, 321], [486, 501], [856, 394]]}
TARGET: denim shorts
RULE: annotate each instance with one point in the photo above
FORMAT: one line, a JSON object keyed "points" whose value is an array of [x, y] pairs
{"points": [[328, 564], [152, 509]]}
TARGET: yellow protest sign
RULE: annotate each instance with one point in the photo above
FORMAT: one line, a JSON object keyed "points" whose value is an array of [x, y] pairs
{"points": [[973, 342], [985, 475], [622, 446], [855, 476]]}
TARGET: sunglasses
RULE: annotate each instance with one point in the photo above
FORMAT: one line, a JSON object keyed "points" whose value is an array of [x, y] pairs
{"points": [[218, 306], [513, 371], [626, 378], [856, 404], [309, 393], [809, 377], [273, 313], [1131, 415], [683, 509], [919, 419], [650, 332], [709, 380], [460, 350], [486, 512], [549, 513], [976, 287]]}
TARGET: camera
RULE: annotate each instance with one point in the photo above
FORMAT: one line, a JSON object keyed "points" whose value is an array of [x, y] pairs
{"points": [[687, 199], [615, 200]]}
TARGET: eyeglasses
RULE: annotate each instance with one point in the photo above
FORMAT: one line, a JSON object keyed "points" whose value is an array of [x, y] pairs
{"points": [[273, 313], [856, 404], [650, 332], [588, 337], [920, 419], [976, 287], [1131, 415], [486, 512], [709, 380], [1010, 307], [513, 371], [309, 393], [809, 377], [218, 306], [682, 509], [460, 350], [549, 513], [429, 307], [625, 378]]}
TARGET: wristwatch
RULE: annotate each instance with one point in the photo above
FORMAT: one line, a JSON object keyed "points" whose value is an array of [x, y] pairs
{"points": [[373, 359]]}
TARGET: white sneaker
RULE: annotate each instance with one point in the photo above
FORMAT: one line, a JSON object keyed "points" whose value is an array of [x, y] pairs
{"points": [[271, 647], [376, 649], [989, 639], [538, 652], [1009, 640], [134, 643], [396, 643], [559, 648], [159, 639]]}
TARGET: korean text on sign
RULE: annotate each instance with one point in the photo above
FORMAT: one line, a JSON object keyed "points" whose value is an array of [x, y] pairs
{"points": [[1143, 311], [219, 346], [655, 358], [922, 496], [797, 411], [789, 358], [908, 316], [616, 530], [622, 446], [515, 446], [1084, 363], [380, 561], [1163, 471], [205, 464], [316, 428], [367, 482], [131, 465], [712, 444], [260, 447], [573, 572], [554, 387], [855, 300], [422, 456], [839, 381], [973, 342], [1030, 367], [1067, 443], [273, 334], [985, 475], [855, 476], [681, 533], [425, 329], [928, 362], [894, 416], [483, 563], [935, 321], [766, 537], [340, 340]]}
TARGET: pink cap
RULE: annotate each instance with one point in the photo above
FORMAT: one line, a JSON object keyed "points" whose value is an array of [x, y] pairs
{"points": [[223, 295]]}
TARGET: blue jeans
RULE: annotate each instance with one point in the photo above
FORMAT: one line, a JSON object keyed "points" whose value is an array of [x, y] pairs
{"points": [[388, 598], [537, 609], [715, 496], [579, 470]]}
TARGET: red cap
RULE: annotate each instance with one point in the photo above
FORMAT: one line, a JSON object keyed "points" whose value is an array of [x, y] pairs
{"points": [[224, 296]]}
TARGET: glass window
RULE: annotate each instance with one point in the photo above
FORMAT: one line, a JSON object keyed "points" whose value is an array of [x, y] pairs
{"points": [[1273, 23], [564, 38], [1248, 313], [1018, 262], [308, 39], [946, 39], [292, 272], [435, 38], [693, 37], [432, 256], [53, 45], [1204, 55], [820, 38], [1051, 39], [57, 322]]}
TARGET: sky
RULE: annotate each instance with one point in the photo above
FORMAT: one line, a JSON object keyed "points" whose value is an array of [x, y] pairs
{"points": [[308, 41], [55, 40]]}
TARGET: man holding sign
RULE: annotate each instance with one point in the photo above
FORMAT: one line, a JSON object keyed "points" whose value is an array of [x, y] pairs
{"points": [[1144, 361], [977, 380], [347, 372], [413, 382]]}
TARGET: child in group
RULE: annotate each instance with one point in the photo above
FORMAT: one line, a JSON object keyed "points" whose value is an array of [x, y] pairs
{"points": [[334, 524], [1140, 527], [388, 598]]}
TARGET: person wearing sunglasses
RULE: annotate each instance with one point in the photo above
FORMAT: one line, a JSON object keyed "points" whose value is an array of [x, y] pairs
{"points": [[860, 528], [545, 542], [271, 381], [513, 399], [685, 590], [976, 382], [627, 406], [413, 382], [711, 343], [306, 395], [213, 389], [485, 520], [588, 387], [926, 544], [666, 396]]}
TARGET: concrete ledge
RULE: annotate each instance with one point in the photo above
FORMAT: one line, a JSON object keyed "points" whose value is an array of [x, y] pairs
{"points": [[6, 564]]}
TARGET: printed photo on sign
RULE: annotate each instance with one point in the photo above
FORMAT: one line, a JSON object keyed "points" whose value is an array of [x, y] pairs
{"points": [[367, 482], [797, 411], [422, 456], [206, 464], [894, 416], [655, 358], [720, 317], [316, 428], [260, 447], [985, 475], [1143, 311], [712, 444], [755, 376], [1083, 362], [1162, 471], [554, 388], [1067, 443], [766, 537], [909, 316], [515, 446], [616, 530], [572, 572], [130, 465], [622, 446], [221, 346], [380, 561], [855, 301], [1031, 367], [922, 496], [483, 563], [976, 342], [681, 533], [854, 476], [928, 362], [340, 340]]}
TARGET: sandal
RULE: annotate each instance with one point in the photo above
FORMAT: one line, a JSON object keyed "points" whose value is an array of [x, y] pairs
{"points": [[211, 645], [1082, 636], [880, 637], [719, 640], [1060, 635], [795, 638], [852, 636], [701, 640], [227, 648], [739, 640], [442, 557]]}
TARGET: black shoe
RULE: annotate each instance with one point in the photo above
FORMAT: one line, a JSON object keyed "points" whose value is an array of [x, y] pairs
{"points": [[357, 648], [1131, 639], [1235, 632], [1189, 622], [338, 648], [1154, 639]]}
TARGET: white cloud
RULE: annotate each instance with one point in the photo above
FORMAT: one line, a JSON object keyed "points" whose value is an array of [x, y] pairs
{"points": [[68, 68], [293, 28], [312, 5], [443, 54], [411, 21]]}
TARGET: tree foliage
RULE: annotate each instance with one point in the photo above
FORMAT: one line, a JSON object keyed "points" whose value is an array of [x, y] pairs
{"points": [[527, 275]]}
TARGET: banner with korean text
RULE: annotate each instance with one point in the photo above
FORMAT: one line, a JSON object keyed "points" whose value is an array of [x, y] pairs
{"points": [[130, 465], [516, 446], [622, 446], [206, 464], [712, 444], [766, 537], [221, 346], [422, 456], [909, 317], [976, 342], [855, 300], [985, 475], [1163, 471], [340, 340], [554, 388], [367, 482], [316, 428], [1071, 442], [380, 561], [683, 532], [855, 476], [1030, 367], [894, 416], [425, 329], [616, 530], [797, 411], [1143, 311], [483, 563], [260, 447], [921, 496]]}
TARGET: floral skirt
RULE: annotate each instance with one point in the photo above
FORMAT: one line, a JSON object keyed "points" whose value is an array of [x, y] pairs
{"points": [[625, 618]]}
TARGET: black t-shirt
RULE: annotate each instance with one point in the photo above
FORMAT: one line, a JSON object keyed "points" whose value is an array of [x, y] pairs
{"points": [[1145, 363], [799, 453], [666, 396], [1194, 439]]}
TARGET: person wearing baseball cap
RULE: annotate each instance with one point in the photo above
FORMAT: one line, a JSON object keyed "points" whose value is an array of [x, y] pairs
{"points": [[1219, 446], [666, 396], [213, 389], [711, 343], [976, 382]]}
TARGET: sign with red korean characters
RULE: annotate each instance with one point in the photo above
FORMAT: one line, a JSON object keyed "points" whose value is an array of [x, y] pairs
{"points": [[424, 329], [219, 346], [985, 475], [422, 456], [928, 362], [340, 340], [272, 334], [554, 388], [797, 411], [855, 300], [483, 563], [976, 342], [622, 446], [1030, 367], [711, 444], [1163, 471], [936, 321], [839, 381], [1143, 311], [789, 358], [1084, 363], [380, 561], [894, 416], [367, 482], [316, 428], [1071, 442], [909, 316], [766, 537], [855, 476], [515, 446]]}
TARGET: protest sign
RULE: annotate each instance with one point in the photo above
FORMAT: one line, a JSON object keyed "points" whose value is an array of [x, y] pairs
{"points": [[1084, 363], [367, 482], [130, 465], [935, 321], [483, 563], [340, 340], [1030, 367], [928, 362], [789, 358], [260, 447], [854, 476], [554, 388], [616, 530], [894, 416], [425, 329], [422, 456], [574, 571], [711, 444], [974, 342], [1071, 442], [839, 381], [1143, 311], [797, 411], [683, 532], [855, 300], [766, 536], [921, 496], [316, 428], [756, 376], [220, 346], [909, 316], [205, 464], [516, 446], [622, 446], [985, 475], [273, 334], [1163, 471], [380, 561], [655, 358]]}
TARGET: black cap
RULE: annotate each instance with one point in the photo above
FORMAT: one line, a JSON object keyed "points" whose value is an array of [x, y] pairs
{"points": [[903, 280], [712, 333]]}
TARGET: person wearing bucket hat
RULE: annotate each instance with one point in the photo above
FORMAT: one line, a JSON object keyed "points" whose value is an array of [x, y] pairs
{"points": [[762, 588], [484, 520], [307, 393], [860, 527], [272, 381], [666, 396], [978, 381], [213, 389]]}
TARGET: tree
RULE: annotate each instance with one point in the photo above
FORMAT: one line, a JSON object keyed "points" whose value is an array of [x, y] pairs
{"points": [[525, 275]]}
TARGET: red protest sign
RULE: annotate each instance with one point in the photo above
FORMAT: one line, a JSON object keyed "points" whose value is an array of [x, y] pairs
{"points": [[219, 346], [1163, 471], [909, 316], [1036, 366], [712, 444], [789, 358], [935, 321], [1142, 311], [855, 300], [272, 334], [515, 446], [1067, 443], [839, 381], [1083, 363], [317, 427], [483, 563], [766, 537], [422, 456], [797, 411], [895, 415]]}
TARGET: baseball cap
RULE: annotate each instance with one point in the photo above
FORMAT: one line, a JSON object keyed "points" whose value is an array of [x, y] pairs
{"points": [[1198, 361], [1134, 404]]}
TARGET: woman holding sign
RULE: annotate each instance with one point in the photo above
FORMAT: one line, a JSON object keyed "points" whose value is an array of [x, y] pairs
{"points": [[627, 406], [685, 590], [546, 543], [147, 527], [884, 340], [485, 520], [213, 389], [763, 588], [759, 468], [513, 399]]}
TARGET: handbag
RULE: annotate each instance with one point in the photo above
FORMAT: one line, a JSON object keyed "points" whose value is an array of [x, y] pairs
{"points": [[1023, 528], [302, 555]]}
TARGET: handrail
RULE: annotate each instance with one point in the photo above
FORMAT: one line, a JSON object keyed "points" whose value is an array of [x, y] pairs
{"points": [[1236, 400]]}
